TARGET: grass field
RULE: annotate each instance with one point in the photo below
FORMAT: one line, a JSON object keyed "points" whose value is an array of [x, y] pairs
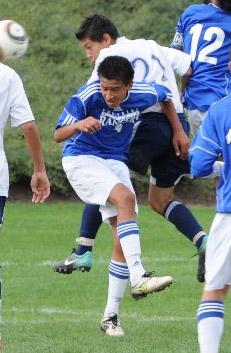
{"points": [[45, 312]]}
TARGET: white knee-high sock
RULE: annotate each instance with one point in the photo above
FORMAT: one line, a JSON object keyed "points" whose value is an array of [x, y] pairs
{"points": [[129, 236], [118, 278], [210, 318]]}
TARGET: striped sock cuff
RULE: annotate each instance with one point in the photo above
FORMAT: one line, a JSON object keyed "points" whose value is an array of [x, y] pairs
{"points": [[170, 207], [127, 228], [119, 270], [210, 308]]}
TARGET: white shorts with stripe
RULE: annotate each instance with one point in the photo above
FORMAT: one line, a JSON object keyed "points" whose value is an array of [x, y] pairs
{"points": [[93, 179], [218, 253]]}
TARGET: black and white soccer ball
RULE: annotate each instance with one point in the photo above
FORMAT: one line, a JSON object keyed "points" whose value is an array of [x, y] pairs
{"points": [[13, 40]]}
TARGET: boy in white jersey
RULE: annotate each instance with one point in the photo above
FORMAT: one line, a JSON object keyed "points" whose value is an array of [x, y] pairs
{"points": [[96, 126], [14, 104], [213, 139], [155, 142], [204, 32]]}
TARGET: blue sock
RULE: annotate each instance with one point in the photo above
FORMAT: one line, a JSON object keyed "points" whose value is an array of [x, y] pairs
{"points": [[182, 218], [90, 224]]}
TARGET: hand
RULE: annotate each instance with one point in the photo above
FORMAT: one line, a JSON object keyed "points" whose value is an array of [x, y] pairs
{"points": [[89, 125], [40, 187], [181, 144]]}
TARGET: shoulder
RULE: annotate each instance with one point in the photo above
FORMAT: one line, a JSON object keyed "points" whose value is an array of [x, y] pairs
{"points": [[196, 8], [88, 90], [143, 87]]}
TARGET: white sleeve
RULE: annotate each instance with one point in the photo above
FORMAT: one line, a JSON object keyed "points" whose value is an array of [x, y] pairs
{"points": [[178, 60], [20, 111]]}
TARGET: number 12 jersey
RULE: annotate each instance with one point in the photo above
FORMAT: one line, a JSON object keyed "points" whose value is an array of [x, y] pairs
{"points": [[204, 32]]}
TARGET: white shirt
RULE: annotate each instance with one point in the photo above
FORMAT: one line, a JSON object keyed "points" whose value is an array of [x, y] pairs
{"points": [[13, 104], [151, 62]]}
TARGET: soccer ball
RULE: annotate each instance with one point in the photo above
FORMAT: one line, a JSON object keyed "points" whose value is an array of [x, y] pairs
{"points": [[13, 40]]}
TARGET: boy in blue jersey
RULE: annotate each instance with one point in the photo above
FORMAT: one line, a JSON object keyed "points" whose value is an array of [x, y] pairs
{"points": [[96, 125], [213, 139], [153, 142], [204, 32]]}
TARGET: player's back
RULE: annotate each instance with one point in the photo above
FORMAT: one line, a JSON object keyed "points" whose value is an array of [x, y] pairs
{"points": [[149, 62], [206, 32]]}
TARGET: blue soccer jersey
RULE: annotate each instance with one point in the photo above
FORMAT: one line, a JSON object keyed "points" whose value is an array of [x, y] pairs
{"points": [[204, 32], [112, 140], [212, 139]]}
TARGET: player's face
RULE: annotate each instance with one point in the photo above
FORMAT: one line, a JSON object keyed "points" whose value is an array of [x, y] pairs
{"points": [[93, 48], [114, 91]]}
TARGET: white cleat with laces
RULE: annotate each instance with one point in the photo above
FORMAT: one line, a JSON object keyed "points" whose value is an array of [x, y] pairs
{"points": [[111, 325], [150, 284]]}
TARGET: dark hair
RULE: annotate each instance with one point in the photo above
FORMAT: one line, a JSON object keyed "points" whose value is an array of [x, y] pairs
{"points": [[225, 5], [95, 26], [116, 68]]}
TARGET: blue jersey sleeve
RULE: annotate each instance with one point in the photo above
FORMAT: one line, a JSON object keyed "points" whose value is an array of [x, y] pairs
{"points": [[73, 111], [163, 93], [205, 148]]}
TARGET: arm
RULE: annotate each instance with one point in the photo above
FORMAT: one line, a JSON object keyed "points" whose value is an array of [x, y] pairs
{"points": [[180, 139], [40, 185], [88, 125]]}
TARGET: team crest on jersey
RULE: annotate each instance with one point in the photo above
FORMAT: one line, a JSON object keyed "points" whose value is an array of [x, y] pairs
{"points": [[117, 119]]}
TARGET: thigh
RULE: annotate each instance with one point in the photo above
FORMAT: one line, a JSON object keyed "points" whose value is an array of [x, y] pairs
{"points": [[218, 253], [90, 177], [122, 173], [167, 169], [151, 141]]}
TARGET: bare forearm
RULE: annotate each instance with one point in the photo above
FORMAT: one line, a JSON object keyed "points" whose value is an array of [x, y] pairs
{"points": [[89, 125], [33, 143], [169, 110], [65, 132]]}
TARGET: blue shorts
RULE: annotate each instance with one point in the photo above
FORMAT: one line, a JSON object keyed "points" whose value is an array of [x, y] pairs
{"points": [[152, 147], [2, 206]]}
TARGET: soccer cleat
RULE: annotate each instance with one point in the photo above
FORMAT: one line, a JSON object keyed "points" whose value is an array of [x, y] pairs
{"points": [[111, 325], [75, 262], [201, 261], [150, 284]]}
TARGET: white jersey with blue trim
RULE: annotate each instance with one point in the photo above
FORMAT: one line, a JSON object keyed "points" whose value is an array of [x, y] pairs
{"points": [[112, 140], [204, 32], [213, 139], [151, 63]]}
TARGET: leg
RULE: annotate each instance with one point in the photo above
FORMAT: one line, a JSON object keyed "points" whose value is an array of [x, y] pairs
{"points": [[210, 313], [81, 257], [128, 233], [118, 277], [2, 207], [160, 200], [210, 316]]}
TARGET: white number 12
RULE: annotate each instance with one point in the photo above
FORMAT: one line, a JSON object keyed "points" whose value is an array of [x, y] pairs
{"points": [[203, 55]]}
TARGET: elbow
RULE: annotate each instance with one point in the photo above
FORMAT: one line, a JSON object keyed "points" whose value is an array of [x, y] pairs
{"points": [[57, 138]]}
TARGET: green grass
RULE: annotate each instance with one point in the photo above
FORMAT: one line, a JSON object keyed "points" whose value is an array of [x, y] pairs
{"points": [[47, 312]]}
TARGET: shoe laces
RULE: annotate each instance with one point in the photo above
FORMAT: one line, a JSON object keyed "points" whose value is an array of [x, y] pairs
{"points": [[149, 274], [113, 319]]}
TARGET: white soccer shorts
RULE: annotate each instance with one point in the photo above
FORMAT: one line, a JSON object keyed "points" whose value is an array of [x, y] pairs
{"points": [[218, 253], [93, 178], [195, 118]]}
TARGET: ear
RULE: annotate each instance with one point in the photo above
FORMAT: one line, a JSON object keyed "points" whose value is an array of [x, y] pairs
{"points": [[130, 85], [108, 39]]}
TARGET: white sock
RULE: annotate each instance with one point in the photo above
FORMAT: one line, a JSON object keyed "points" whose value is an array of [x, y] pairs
{"points": [[210, 317], [128, 233], [118, 278]]}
